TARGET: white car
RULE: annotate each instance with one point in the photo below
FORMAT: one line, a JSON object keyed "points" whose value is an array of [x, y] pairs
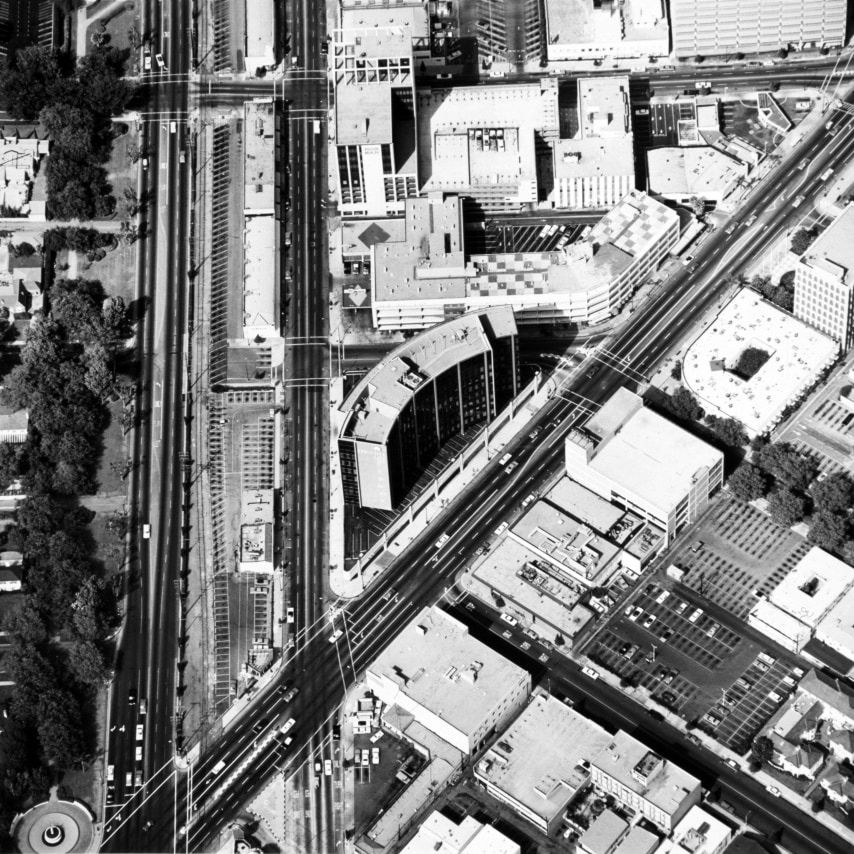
{"points": [[140, 731], [158, 57], [529, 500], [590, 673], [505, 459], [327, 767], [442, 540], [138, 753], [511, 468], [501, 528], [111, 773], [510, 620], [773, 790], [287, 726], [636, 612], [336, 635], [290, 615], [146, 61], [146, 531]]}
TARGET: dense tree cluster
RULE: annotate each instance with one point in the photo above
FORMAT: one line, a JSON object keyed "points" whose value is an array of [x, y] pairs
{"points": [[790, 481], [750, 362], [802, 240], [782, 295], [74, 103]]}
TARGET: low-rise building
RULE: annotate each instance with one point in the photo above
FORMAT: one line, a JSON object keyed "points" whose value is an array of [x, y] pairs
{"points": [[453, 685], [430, 278], [590, 29], [639, 460], [695, 171], [256, 531], [804, 600], [839, 788], [698, 833], [439, 834], [836, 698], [604, 834], [800, 759], [260, 19], [642, 781], [638, 840], [541, 761]]}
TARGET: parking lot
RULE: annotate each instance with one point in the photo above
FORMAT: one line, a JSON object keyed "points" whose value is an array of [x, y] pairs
{"points": [[502, 237], [690, 662], [735, 553]]}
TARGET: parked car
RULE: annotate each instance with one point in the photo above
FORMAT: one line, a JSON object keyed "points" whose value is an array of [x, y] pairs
{"points": [[590, 673]]}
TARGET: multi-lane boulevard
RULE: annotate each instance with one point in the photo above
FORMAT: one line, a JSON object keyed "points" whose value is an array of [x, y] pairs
{"points": [[421, 575], [146, 669]]}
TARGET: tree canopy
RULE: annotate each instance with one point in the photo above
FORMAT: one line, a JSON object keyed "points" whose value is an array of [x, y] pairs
{"points": [[748, 482], [787, 508]]}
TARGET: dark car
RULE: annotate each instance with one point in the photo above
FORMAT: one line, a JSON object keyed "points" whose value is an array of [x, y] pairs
{"points": [[132, 697], [655, 715], [260, 725], [336, 732]]}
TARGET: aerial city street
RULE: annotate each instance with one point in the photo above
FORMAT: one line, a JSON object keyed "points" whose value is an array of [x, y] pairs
{"points": [[427, 425]]}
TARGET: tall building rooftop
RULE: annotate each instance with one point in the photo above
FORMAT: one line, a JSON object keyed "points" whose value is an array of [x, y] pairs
{"points": [[644, 772], [536, 762], [644, 452], [436, 662], [833, 250], [381, 395]]}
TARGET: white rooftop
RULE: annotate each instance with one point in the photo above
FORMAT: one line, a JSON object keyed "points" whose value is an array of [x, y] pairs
{"points": [[580, 22], [535, 762], [798, 356], [259, 175], [650, 457], [260, 30], [641, 770], [550, 596], [813, 586], [698, 170], [437, 664], [565, 541], [833, 249], [699, 832], [837, 627], [260, 316], [585, 505], [603, 106], [779, 624], [440, 834]]}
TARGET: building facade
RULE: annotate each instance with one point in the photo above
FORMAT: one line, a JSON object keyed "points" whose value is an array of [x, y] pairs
{"points": [[444, 382], [716, 27], [823, 281]]}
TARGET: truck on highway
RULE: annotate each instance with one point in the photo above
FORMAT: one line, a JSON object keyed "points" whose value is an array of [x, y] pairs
{"points": [[826, 174]]}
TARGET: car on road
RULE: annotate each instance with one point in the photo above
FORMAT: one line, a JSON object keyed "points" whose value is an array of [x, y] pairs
{"points": [[336, 635], [731, 228], [288, 691], [505, 459], [510, 619], [804, 163], [260, 725], [336, 732], [182, 156], [173, 127], [751, 220], [773, 790], [327, 767], [388, 594], [501, 528], [132, 695], [287, 726], [687, 260], [442, 540], [798, 200], [531, 634], [140, 732], [138, 753], [143, 707], [697, 546], [511, 468], [590, 673], [680, 608], [535, 432], [158, 58], [128, 780], [317, 766], [146, 61], [733, 764], [479, 551], [529, 500], [290, 615], [146, 531], [655, 715]]}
